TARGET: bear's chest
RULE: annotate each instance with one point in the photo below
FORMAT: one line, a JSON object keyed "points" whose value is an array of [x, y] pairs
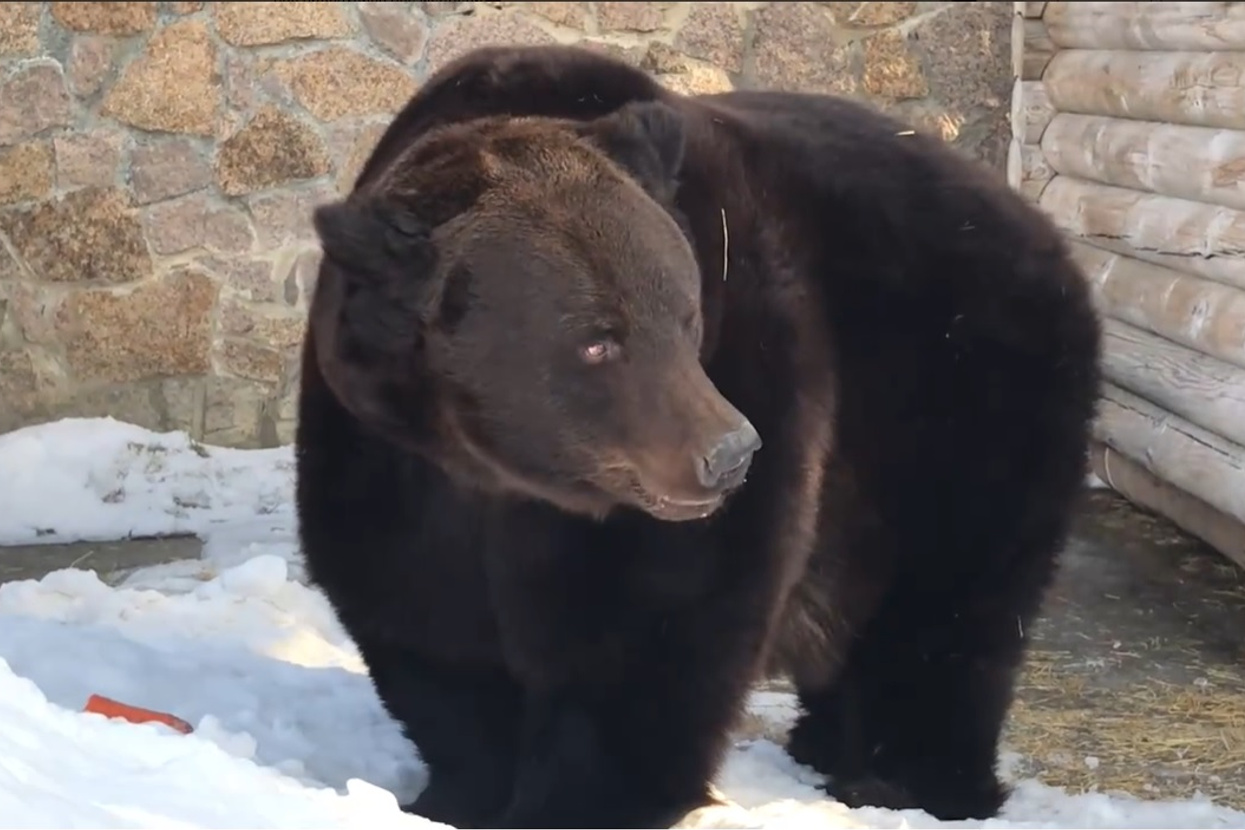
{"points": [[628, 560]]}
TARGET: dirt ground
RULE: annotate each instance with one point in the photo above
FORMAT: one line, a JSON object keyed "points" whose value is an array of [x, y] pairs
{"points": [[1136, 681]]}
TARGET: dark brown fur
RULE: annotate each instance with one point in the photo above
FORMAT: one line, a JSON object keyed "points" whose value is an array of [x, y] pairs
{"points": [[499, 526]]}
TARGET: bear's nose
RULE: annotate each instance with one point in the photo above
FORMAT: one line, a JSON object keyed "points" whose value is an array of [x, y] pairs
{"points": [[727, 462]]}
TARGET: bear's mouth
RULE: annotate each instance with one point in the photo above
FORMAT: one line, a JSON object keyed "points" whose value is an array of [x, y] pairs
{"points": [[669, 509], [672, 509]]}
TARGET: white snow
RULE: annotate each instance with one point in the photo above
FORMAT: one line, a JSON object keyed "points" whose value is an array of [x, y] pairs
{"points": [[288, 731]]}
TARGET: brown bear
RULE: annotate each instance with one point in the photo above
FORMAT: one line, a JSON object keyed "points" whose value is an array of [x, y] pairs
{"points": [[615, 401]]}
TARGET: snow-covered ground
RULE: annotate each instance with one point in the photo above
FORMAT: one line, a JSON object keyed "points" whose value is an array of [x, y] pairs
{"points": [[288, 732]]}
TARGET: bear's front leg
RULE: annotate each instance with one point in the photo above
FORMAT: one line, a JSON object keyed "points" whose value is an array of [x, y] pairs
{"points": [[464, 725], [575, 772], [637, 643], [642, 749]]}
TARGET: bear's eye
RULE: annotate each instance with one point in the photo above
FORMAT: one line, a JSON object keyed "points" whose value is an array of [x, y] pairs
{"points": [[599, 351]]}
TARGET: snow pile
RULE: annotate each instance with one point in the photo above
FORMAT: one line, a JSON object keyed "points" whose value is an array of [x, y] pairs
{"points": [[289, 732], [99, 479]]}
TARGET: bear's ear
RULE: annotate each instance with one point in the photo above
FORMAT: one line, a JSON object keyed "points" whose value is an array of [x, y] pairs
{"points": [[646, 137], [369, 307], [382, 260], [372, 237]]}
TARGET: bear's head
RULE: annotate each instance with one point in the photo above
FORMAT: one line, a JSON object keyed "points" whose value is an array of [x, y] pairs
{"points": [[514, 300]]}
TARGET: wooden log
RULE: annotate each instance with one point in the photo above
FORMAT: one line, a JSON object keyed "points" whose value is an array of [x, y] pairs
{"points": [[1031, 48], [1196, 460], [1199, 388], [1180, 234], [1175, 27], [1226, 271], [1031, 111], [1204, 316], [1140, 486], [1198, 163], [1200, 89], [1027, 170]]}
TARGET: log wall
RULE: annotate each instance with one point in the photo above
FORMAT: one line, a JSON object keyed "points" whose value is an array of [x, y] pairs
{"points": [[1128, 129]]}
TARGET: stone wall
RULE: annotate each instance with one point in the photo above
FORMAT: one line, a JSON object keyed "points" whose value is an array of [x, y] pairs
{"points": [[158, 162]]}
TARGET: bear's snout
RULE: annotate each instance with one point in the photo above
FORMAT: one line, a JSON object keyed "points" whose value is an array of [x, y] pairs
{"points": [[726, 463], [704, 455]]}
